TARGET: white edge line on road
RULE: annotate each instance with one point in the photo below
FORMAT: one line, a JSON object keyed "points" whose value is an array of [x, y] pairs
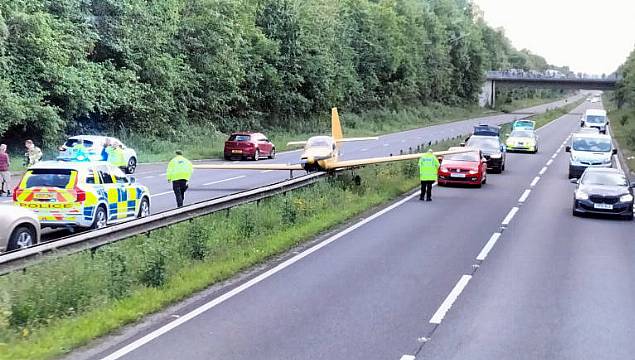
{"points": [[549, 162], [228, 295], [543, 170], [524, 196], [488, 247], [408, 357], [224, 180], [510, 216], [449, 301]]}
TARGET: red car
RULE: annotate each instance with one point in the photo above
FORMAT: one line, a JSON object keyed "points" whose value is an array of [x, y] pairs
{"points": [[469, 168], [250, 145]]}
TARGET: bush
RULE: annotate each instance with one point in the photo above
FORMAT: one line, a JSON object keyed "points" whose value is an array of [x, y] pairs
{"points": [[154, 273], [194, 246]]}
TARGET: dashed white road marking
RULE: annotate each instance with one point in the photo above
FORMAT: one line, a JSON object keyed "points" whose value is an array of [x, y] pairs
{"points": [[149, 177], [403, 141], [488, 247], [266, 171], [230, 294], [543, 170], [550, 162], [510, 216], [408, 357], [449, 301], [161, 194], [554, 156], [364, 150], [386, 144], [224, 180], [524, 196]]}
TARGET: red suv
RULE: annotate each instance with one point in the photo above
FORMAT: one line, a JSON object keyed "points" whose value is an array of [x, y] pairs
{"points": [[249, 145], [468, 168]]}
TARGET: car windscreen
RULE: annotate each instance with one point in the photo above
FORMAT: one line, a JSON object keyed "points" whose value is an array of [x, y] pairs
{"points": [[58, 178], [239, 137], [603, 178], [468, 156], [595, 119], [592, 144], [319, 142], [524, 124], [521, 133], [484, 143], [73, 142]]}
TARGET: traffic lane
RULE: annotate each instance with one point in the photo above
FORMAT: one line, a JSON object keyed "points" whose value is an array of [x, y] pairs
{"points": [[364, 296], [386, 145], [375, 269], [554, 287]]}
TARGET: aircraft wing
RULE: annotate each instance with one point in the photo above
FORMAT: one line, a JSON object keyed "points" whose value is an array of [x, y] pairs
{"points": [[250, 166], [385, 159], [357, 139]]}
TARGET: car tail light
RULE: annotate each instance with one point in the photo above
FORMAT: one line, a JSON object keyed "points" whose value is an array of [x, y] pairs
{"points": [[80, 195], [16, 192]]}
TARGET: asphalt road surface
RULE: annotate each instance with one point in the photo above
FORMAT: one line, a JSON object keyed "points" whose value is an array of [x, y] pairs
{"points": [[426, 280]]}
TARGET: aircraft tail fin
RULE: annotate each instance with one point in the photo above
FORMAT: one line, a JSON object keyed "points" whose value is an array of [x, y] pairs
{"points": [[336, 127]]}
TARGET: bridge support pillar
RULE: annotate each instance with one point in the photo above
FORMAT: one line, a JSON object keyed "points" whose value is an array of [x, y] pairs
{"points": [[488, 94]]}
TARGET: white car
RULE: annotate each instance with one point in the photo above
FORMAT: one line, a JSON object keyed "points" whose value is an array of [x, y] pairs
{"points": [[19, 228], [95, 146]]}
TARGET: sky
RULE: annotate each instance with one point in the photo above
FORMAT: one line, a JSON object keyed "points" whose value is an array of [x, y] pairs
{"points": [[589, 36]]}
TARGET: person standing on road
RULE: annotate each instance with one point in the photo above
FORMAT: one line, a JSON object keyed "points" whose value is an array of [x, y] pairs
{"points": [[5, 175], [428, 170], [179, 173], [106, 150], [33, 153]]}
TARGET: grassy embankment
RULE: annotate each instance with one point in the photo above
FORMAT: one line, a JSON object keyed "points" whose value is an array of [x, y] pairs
{"points": [[204, 143], [623, 129], [43, 316]]}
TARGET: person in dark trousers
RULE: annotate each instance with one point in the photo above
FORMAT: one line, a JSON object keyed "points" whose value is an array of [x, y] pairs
{"points": [[179, 173], [428, 171]]}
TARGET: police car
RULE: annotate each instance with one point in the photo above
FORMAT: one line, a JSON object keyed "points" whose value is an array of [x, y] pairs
{"points": [[94, 146], [81, 194]]}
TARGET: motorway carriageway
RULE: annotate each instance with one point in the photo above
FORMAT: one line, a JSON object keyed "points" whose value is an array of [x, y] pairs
{"points": [[500, 272], [209, 184]]}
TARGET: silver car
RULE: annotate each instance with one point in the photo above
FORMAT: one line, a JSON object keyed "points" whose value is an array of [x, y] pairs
{"points": [[19, 228]]}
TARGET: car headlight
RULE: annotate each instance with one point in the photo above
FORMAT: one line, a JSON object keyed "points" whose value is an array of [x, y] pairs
{"points": [[581, 195], [606, 161], [626, 198], [444, 169], [496, 156], [473, 172]]}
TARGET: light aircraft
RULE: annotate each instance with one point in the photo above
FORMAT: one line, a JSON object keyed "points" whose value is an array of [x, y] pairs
{"points": [[321, 153]]}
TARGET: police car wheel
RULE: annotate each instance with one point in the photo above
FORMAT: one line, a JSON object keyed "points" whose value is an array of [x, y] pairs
{"points": [[132, 165], [144, 208], [101, 219], [22, 238]]}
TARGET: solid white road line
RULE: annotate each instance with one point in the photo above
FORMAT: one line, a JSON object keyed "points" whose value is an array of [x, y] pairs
{"points": [[549, 162], [449, 301], [543, 170], [510, 216], [524, 196], [230, 294], [408, 357], [488, 247], [225, 180]]}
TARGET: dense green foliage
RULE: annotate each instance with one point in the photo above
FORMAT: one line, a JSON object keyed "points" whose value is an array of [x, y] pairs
{"points": [[623, 118], [156, 67]]}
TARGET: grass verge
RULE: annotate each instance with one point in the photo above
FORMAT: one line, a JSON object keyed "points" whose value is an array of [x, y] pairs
{"points": [[623, 129], [92, 294]]}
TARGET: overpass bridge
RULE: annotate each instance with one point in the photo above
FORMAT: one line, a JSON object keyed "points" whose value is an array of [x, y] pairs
{"points": [[502, 79]]}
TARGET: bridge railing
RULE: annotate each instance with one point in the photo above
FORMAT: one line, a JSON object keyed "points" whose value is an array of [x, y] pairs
{"points": [[521, 75]]}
